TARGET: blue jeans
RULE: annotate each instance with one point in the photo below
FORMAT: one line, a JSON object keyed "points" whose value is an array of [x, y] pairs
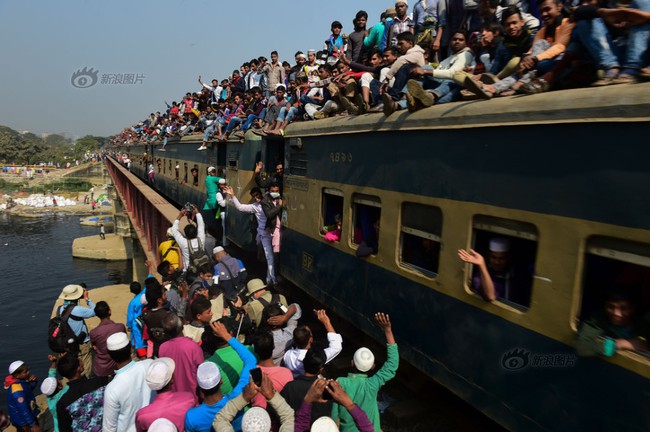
{"points": [[592, 37], [251, 118], [444, 89], [637, 42], [234, 122], [289, 115], [267, 245], [401, 77]]}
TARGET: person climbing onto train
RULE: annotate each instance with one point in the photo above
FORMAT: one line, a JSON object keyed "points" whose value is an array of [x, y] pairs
{"points": [[616, 327], [263, 236], [169, 251], [498, 279], [363, 389], [211, 188], [272, 206]]}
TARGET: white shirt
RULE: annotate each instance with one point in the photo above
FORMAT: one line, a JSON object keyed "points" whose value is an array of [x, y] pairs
{"points": [[124, 396], [182, 241], [294, 357], [256, 209]]}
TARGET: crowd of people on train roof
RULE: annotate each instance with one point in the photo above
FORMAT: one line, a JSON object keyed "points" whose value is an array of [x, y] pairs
{"points": [[426, 53], [420, 54]]}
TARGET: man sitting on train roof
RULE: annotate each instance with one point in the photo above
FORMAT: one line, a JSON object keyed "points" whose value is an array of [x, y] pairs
{"points": [[615, 328], [498, 279], [412, 55]]}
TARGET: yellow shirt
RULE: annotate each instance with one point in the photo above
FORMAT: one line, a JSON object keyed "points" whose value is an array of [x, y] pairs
{"points": [[172, 256]]}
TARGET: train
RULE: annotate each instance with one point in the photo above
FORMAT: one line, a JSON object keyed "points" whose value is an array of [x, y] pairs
{"points": [[562, 176]]}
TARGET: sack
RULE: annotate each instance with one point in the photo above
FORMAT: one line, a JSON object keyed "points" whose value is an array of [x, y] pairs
{"points": [[198, 257], [60, 336]]}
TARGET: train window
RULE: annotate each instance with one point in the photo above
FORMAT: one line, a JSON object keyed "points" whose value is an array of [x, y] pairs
{"points": [[159, 165], [509, 249], [366, 213], [616, 269], [170, 166], [233, 160], [195, 175], [420, 238], [185, 172], [332, 214], [178, 171]]}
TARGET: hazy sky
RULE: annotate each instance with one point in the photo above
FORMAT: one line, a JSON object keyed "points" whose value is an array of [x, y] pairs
{"points": [[168, 42]]}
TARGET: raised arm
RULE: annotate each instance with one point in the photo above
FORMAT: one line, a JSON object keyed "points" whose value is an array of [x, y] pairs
{"points": [[487, 285]]}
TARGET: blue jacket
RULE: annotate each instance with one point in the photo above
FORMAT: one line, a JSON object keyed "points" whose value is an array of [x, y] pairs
{"points": [[21, 403]]}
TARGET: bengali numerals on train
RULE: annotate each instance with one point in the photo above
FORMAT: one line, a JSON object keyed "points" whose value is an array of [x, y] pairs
{"points": [[341, 157]]}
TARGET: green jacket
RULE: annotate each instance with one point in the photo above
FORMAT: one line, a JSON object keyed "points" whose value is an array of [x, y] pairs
{"points": [[363, 391]]}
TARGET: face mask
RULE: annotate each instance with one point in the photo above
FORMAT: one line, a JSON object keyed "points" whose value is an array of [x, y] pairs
{"points": [[275, 195]]}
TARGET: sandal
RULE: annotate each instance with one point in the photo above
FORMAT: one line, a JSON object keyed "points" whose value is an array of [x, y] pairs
{"points": [[607, 79], [477, 88], [539, 85]]}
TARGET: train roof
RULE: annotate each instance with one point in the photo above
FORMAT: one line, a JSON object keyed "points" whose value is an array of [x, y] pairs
{"points": [[616, 103]]}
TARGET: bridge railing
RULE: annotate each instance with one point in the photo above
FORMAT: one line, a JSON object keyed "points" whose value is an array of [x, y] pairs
{"points": [[150, 214]]}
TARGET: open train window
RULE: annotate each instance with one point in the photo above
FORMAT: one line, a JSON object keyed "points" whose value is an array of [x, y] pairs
{"points": [[332, 213], [509, 250], [178, 171], [366, 214], [185, 172], [615, 268], [195, 175], [420, 238]]}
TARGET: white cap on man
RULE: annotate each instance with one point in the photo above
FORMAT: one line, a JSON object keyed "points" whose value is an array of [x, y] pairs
{"points": [[160, 373], [364, 359], [162, 425], [208, 375], [499, 244], [211, 168], [256, 419], [117, 341], [49, 385]]}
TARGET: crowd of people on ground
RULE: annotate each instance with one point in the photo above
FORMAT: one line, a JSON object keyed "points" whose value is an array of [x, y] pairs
{"points": [[202, 347], [429, 52]]}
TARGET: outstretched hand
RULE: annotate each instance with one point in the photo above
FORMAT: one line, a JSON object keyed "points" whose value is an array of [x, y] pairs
{"points": [[471, 257], [383, 320]]}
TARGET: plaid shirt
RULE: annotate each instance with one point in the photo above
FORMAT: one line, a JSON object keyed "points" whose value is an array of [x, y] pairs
{"points": [[400, 26]]}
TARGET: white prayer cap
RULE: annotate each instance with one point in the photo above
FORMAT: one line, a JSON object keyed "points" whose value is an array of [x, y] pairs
{"points": [[499, 244], [160, 372], [117, 341], [208, 375], [256, 419], [162, 425], [48, 387], [364, 359], [15, 365]]}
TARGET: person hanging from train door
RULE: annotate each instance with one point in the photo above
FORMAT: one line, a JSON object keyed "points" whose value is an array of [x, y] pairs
{"points": [[272, 206], [498, 278], [211, 189], [263, 236]]}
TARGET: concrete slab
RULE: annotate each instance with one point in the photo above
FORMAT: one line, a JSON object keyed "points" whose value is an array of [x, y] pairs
{"points": [[114, 248]]}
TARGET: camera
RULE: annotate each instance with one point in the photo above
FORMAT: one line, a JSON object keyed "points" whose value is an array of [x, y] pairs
{"points": [[188, 209]]}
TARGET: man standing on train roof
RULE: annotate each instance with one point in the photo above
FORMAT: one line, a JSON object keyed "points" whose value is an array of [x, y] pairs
{"points": [[211, 189], [265, 183], [498, 279]]}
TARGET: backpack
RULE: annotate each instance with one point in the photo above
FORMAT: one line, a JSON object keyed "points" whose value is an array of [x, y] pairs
{"points": [[198, 257], [385, 38], [60, 336]]}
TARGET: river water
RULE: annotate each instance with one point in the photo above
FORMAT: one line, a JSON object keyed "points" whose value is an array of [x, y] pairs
{"points": [[36, 257]]}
